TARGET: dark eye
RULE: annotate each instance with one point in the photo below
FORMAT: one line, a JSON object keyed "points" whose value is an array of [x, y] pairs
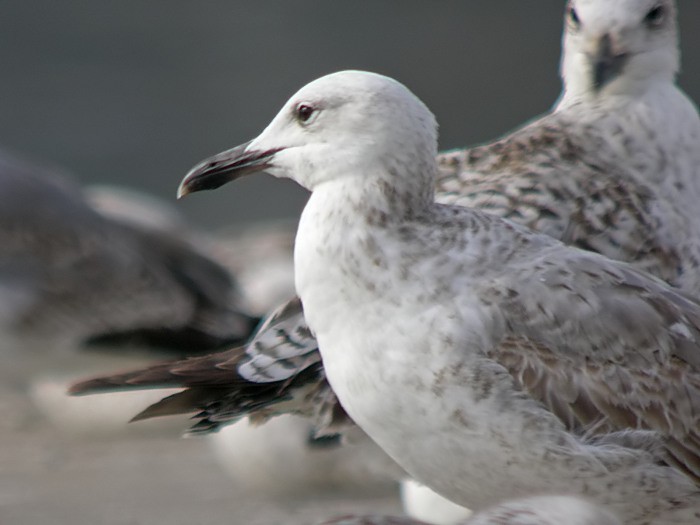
{"points": [[305, 112], [655, 16], [572, 18]]}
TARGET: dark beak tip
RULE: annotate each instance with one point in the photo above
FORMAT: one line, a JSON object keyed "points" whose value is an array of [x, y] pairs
{"points": [[186, 186], [225, 167]]}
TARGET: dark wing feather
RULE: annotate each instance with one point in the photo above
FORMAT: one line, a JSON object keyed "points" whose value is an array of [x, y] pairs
{"points": [[279, 371]]}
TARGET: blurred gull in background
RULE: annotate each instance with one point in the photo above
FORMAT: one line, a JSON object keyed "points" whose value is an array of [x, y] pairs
{"points": [[71, 272], [107, 266]]}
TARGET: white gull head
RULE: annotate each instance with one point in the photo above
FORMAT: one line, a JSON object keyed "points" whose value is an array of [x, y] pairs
{"points": [[618, 48], [350, 124]]}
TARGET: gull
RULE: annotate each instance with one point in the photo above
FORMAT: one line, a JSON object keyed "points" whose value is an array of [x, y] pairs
{"points": [[615, 166], [489, 361], [75, 268], [569, 174], [543, 510]]}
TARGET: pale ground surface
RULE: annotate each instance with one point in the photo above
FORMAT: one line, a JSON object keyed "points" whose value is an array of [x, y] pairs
{"points": [[107, 474]]}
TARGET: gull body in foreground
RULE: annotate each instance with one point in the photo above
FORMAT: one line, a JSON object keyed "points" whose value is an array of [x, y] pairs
{"points": [[613, 168], [489, 361]]}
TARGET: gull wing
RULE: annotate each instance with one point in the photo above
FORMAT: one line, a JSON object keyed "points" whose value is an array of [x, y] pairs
{"points": [[556, 177], [604, 347]]}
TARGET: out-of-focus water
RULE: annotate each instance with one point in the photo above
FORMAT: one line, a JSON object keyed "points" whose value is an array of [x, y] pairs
{"points": [[136, 92]]}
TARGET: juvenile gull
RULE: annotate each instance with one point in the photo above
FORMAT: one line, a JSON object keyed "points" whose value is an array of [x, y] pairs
{"points": [[489, 361], [546, 176], [615, 167]]}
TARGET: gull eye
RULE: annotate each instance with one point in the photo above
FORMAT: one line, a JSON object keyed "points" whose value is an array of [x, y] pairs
{"points": [[572, 19], [655, 16], [305, 113]]}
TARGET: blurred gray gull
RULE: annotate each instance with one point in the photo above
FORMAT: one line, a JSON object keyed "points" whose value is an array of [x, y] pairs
{"points": [[71, 272], [451, 333]]}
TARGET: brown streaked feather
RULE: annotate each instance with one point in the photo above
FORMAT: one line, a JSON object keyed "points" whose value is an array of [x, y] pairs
{"points": [[597, 412], [210, 370], [185, 402], [549, 176], [624, 355]]}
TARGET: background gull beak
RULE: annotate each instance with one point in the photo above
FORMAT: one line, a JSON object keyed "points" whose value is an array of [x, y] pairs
{"points": [[607, 62], [225, 167]]}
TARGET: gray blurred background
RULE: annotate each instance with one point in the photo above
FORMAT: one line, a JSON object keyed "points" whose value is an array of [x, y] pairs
{"points": [[135, 92]]}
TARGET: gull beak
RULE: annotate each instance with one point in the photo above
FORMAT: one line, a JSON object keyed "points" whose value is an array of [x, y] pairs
{"points": [[225, 167], [607, 62]]}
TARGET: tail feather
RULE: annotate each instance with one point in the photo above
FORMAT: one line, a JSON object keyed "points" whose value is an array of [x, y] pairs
{"points": [[278, 372], [217, 395], [211, 370], [185, 402]]}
